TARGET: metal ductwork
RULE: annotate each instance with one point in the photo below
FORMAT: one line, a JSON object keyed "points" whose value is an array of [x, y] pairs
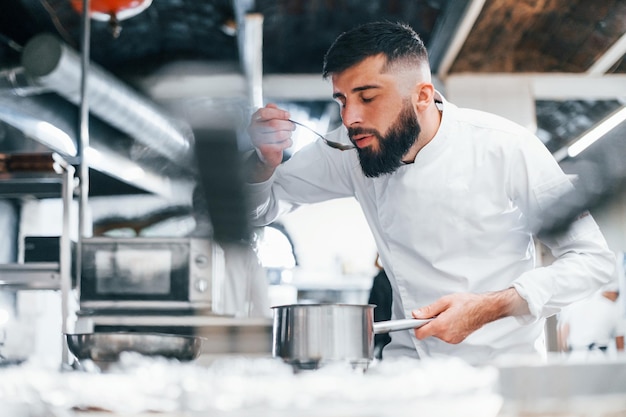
{"points": [[52, 121], [250, 44], [15, 81], [53, 65], [253, 58]]}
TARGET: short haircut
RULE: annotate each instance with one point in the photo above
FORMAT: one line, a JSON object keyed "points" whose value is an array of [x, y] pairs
{"points": [[398, 42]]}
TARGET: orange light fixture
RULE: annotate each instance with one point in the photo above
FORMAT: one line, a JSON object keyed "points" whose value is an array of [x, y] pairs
{"points": [[112, 11], [104, 10]]}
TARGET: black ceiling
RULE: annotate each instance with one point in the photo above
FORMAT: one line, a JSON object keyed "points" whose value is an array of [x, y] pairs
{"points": [[298, 32], [291, 27]]}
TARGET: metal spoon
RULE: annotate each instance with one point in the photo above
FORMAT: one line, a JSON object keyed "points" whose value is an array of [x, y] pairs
{"points": [[332, 144]]}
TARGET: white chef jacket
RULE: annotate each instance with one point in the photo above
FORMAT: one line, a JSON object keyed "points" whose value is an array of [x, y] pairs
{"points": [[458, 219]]}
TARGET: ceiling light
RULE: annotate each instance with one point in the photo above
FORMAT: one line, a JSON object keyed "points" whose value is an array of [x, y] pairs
{"points": [[597, 132], [229, 27], [104, 10], [112, 11]]}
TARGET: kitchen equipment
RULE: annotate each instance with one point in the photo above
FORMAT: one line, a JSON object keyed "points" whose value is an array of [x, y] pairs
{"points": [[44, 248], [151, 274], [309, 335], [106, 347], [27, 162], [332, 144]]}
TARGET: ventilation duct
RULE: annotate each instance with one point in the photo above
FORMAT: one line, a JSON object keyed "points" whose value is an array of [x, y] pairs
{"points": [[253, 58], [52, 121], [15, 81], [54, 65]]}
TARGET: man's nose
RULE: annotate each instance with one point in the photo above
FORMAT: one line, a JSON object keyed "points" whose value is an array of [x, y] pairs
{"points": [[351, 115]]}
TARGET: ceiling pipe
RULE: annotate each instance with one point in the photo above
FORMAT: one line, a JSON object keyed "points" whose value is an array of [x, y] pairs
{"points": [[85, 227], [250, 46], [54, 65], [16, 82], [253, 58], [51, 121]]}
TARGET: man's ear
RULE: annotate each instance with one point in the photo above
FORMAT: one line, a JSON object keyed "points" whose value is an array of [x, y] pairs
{"points": [[423, 96]]}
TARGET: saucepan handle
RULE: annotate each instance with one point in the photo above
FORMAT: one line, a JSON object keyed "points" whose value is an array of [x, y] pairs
{"points": [[394, 325]]}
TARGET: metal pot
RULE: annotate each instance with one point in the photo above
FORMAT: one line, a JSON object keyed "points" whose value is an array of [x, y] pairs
{"points": [[310, 335]]}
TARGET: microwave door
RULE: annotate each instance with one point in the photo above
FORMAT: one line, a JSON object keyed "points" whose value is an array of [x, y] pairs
{"points": [[152, 273]]}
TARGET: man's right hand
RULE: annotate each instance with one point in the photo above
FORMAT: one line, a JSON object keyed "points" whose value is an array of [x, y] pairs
{"points": [[270, 131]]}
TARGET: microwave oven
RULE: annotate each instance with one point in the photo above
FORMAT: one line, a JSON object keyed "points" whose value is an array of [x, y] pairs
{"points": [[150, 274]]}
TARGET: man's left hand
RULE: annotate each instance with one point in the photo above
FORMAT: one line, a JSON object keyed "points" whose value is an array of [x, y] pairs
{"points": [[459, 315]]}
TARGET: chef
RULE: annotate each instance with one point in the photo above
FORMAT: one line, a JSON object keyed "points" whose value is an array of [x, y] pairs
{"points": [[453, 197]]}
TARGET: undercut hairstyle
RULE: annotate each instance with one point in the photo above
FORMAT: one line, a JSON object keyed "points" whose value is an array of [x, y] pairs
{"points": [[398, 42]]}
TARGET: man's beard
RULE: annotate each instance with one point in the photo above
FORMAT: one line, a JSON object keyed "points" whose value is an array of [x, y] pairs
{"points": [[392, 147]]}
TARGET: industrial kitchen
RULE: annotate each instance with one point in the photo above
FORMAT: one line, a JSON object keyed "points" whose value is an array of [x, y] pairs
{"points": [[301, 208]]}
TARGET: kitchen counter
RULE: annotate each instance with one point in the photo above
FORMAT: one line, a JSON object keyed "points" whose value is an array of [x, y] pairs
{"points": [[564, 387], [245, 387]]}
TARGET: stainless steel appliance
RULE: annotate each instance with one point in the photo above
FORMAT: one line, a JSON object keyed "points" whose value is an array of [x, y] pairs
{"points": [[151, 274]]}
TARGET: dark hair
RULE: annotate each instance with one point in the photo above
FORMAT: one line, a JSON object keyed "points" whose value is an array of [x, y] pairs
{"points": [[397, 41]]}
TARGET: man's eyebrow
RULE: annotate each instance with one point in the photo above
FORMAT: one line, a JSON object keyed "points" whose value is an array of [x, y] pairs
{"points": [[364, 87], [357, 89]]}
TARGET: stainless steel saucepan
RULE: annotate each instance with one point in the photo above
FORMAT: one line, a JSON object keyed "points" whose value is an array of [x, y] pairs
{"points": [[310, 335]]}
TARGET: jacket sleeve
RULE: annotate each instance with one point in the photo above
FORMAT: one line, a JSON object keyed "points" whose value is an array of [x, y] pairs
{"points": [[582, 260], [313, 174]]}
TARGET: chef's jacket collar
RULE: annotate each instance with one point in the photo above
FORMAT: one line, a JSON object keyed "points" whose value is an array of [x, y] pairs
{"points": [[437, 143]]}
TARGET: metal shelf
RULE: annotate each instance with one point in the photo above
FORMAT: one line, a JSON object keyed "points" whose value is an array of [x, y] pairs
{"points": [[41, 177], [38, 176], [36, 184], [31, 276]]}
